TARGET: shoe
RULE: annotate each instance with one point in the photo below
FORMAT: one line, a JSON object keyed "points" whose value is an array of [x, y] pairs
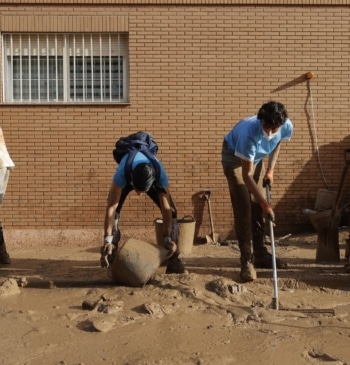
{"points": [[4, 257], [248, 272], [263, 260], [175, 266]]}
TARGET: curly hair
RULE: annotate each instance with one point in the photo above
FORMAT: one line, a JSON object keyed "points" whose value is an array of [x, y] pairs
{"points": [[272, 114]]}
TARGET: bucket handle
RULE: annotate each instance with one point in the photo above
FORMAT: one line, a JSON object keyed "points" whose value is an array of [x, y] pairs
{"points": [[187, 218]]}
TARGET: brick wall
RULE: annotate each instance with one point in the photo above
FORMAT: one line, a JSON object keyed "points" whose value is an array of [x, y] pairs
{"points": [[195, 70]]}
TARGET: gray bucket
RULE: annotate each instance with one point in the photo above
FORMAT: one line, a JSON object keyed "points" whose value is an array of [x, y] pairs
{"points": [[137, 261], [187, 227]]}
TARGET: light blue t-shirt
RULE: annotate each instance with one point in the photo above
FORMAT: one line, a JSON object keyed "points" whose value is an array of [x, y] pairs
{"points": [[249, 143], [119, 177]]}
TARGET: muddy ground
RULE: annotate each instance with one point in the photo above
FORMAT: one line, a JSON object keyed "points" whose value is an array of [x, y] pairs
{"points": [[57, 306]]}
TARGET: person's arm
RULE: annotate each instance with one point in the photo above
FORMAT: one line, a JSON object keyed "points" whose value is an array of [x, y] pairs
{"points": [[273, 157], [166, 213], [247, 173], [248, 178], [165, 207], [112, 204], [268, 178]]}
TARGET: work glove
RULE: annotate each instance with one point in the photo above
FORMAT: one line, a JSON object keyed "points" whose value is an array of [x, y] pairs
{"points": [[109, 249], [268, 210], [268, 178], [175, 230], [271, 215], [170, 245], [110, 244], [107, 258]]}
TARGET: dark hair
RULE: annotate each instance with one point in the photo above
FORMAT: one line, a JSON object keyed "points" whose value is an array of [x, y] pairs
{"points": [[143, 177], [272, 114]]}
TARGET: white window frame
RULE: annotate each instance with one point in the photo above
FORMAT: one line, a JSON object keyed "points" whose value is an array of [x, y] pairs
{"points": [[65, 68]]}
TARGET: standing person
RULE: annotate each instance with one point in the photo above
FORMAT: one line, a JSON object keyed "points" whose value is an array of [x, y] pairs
{"points": [[6, 165], [144, 178], [243, 151]]}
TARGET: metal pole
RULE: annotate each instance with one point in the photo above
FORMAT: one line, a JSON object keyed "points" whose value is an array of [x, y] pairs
{"points": [[272, 239]]}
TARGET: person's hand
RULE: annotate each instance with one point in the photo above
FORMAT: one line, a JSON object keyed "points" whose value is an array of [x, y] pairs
{"points": [[169, 245], [268, 210], [107, 252], [271, 215], [268, 178]]}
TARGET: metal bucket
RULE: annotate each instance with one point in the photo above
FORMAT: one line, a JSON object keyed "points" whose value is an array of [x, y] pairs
{"points": [[186, 233], [137, 261]]}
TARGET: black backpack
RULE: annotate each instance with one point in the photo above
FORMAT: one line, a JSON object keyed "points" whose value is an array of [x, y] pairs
{"points": [[136, 142]]}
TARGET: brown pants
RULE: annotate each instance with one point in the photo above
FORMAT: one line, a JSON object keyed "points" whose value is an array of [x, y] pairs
{"points": [[248, 214]]}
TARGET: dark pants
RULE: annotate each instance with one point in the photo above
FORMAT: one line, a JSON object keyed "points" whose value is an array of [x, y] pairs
{"points": [[248, 214], [153, 193]]}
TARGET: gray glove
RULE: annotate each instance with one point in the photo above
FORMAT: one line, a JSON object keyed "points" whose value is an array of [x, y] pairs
{"points": [[109, 249], [107, 252], [175, 230], [169, 245], [110, 245]]}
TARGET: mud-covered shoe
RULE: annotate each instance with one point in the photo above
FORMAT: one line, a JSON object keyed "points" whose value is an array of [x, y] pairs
{"points": [[263, 260], [175, 266], [4, 257], [248, 272]]}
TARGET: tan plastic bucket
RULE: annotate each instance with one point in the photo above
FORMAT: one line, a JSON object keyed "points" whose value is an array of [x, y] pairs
{"points": [[137, 261], [186, 233], [158, 225]]}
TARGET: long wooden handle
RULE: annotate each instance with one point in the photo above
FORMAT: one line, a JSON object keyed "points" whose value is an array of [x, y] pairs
{"points": [[211, 218], [340, 188]]}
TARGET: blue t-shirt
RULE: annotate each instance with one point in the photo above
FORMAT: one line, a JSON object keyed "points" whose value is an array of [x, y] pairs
{"points": [[249, 143], [119, 177]]}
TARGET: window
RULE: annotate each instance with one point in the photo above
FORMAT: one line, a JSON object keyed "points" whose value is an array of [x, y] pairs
{"points": [[81, 68]]}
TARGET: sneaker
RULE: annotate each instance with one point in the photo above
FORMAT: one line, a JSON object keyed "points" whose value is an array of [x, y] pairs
{"points": [[4, 257], [263, 260], [248, 272], [175, 266]]}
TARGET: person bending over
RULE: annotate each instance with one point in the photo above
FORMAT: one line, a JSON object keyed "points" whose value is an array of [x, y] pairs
{"points": [[244, 149], [143, 180]]}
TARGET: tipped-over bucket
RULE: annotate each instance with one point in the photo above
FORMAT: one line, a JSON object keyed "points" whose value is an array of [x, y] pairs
{"points": [[321, 219], [137, 261], [186, 233]]}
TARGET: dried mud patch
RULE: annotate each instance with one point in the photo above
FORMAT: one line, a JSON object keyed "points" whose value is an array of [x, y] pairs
{"points": [[64, 310]]}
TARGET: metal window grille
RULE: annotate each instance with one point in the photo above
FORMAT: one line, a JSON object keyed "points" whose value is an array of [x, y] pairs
{"points": [[49, 68]]}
